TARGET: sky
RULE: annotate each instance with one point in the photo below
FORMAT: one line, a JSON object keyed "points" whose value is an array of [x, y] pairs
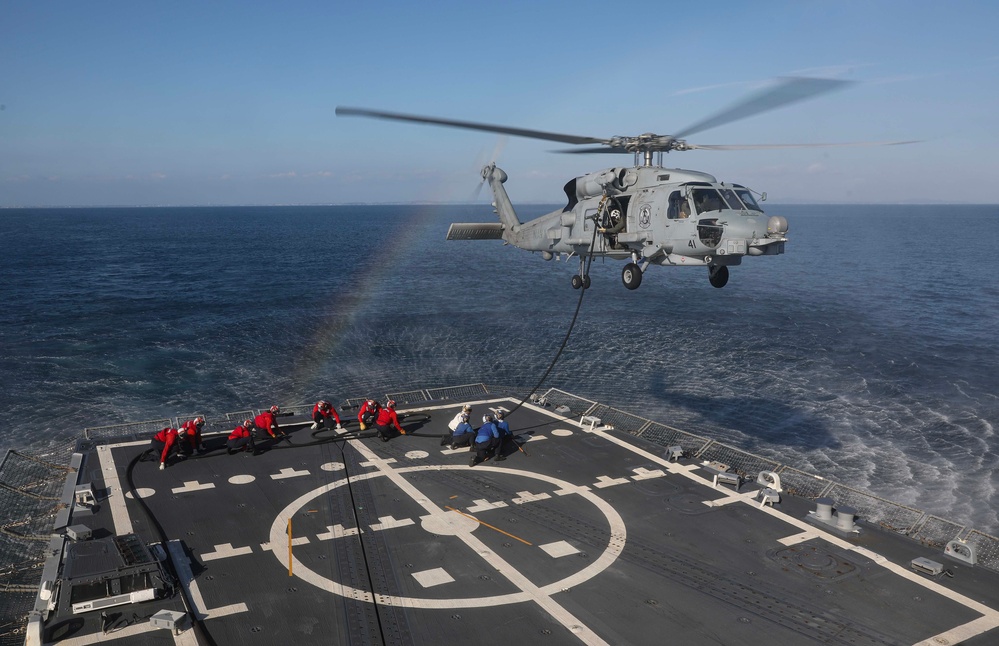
{"points": [[232, 103]]}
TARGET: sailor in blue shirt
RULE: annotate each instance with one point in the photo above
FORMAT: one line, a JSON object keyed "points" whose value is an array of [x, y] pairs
{"points": [[505, 436], [462, 434], [486, 439]]}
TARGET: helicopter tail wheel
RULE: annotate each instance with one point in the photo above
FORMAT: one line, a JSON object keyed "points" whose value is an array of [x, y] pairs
{"points": [[577, 282], [718, 275], [631, 275]]}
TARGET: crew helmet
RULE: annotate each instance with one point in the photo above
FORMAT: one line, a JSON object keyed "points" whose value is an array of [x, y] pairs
{"points": [[248, 423], [499, 414], [390, 403], [275, 409], [467, 408], [199, 421], [487, 418], [182, 430]]}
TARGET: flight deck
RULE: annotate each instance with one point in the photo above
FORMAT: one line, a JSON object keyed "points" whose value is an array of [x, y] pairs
{"points": [[584, 534]]}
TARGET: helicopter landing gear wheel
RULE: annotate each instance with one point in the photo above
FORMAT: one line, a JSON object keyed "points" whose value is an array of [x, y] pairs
{"points": [[586, 281], [718, 276], [631, 275], [577, 282]]}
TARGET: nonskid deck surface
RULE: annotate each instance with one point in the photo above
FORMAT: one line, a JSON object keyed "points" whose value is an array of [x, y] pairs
{"points": [[580, 536]]}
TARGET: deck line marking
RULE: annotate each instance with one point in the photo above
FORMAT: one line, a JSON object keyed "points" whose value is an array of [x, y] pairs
{"points": [[528, 590], [196, 602], [224, 551], [988, 621], [116, 497], [487, 525]]}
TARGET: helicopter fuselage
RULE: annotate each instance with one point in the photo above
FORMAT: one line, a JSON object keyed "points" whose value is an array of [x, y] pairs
{"points": [[650, 215]]}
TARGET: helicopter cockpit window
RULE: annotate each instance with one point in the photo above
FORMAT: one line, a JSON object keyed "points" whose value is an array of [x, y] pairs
{"points": [[730, 198], [673, 212], [747, 199], [707, 199]]}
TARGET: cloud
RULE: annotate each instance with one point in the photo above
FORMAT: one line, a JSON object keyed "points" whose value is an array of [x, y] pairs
{"points": [[288, 175]]}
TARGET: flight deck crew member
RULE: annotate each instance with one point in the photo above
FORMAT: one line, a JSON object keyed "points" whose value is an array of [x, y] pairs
{"points": [[505, 435], [486, 439], [266, 421], [240, 438], [462, 434], [193, 438], [386, 419], [323, 415], [461, 416], [369, 411], [165, 442]]}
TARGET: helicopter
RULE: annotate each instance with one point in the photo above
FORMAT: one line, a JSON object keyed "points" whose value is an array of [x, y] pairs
{"points": [[644, 214]]}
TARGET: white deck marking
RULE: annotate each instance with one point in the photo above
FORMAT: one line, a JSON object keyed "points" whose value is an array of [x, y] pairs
{"points": [[430, 578], [387, 522], [535, 438], [483, 505], [571, 489], [224, 551], [337, 531], [193, 485], [558, 549], [730, 498], [100, 638], [242, 479], [195, 601], [606, 481], [794, 539], [641, 473], [527, 496], [289, 473], [528, 590], [332, 466], [377, 462], [416, 455], [119, 513], [141, 492], [988, 621], [269, 546], [561, 432]]}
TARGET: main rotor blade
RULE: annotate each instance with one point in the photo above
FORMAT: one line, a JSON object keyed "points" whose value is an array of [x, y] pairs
{"points": [[764, 146], [588, 151], [452, 123], [790, 90]]}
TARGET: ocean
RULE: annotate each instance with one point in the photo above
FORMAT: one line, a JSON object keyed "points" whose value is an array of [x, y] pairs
{"points": [[866, 353]]}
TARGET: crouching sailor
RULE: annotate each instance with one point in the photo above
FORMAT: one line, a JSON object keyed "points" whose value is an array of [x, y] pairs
{"points": [[505, 436], [266, 421], [323, 415], [369, 411], [241, 438], [386, 420], [165, 443], [193, 441], [462, 434], [486, 439]]}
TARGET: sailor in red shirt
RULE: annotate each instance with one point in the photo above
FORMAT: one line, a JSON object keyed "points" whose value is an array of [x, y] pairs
{"points": [[165, 442], [266, 421], [368, 413], [193, 438], [386, 419], [322, 415], [240, 438]]}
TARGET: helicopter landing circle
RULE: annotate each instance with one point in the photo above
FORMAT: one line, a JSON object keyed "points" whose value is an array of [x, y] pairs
{"points": [[443, 522]]}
